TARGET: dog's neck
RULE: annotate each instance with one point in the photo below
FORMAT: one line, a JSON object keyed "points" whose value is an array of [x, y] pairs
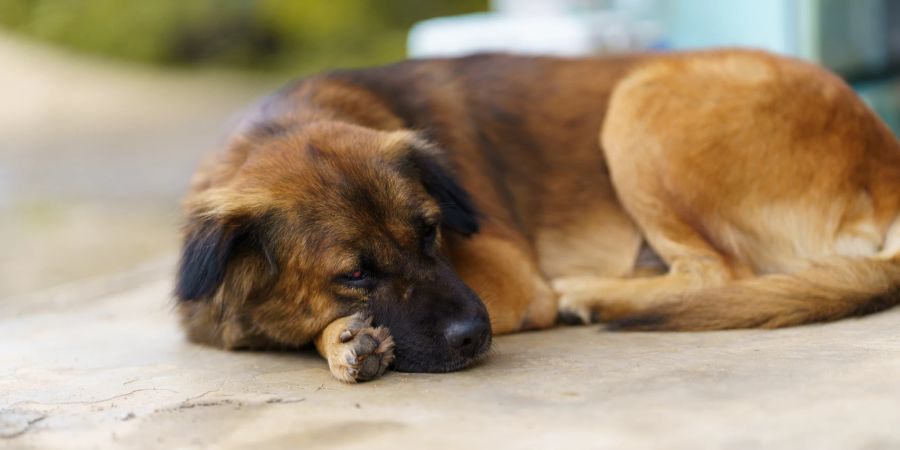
{"points": [[323, 99]]}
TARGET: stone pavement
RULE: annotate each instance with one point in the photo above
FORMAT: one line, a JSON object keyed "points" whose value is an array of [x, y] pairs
{"points": [[102, 364]]}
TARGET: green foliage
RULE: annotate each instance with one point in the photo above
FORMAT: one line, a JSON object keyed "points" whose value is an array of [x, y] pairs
{"points": [[262, 34]]}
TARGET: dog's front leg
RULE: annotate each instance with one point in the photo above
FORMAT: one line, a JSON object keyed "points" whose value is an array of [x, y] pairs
{"points": [[356, 351], [504, 274]]}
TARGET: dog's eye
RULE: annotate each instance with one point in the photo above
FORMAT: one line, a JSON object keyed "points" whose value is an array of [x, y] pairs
{"points": [[429, 235], [359, 278]]}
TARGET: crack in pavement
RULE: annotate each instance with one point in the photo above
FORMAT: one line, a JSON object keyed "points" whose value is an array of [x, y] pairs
{"points": [[23, 430], [88, 402]]}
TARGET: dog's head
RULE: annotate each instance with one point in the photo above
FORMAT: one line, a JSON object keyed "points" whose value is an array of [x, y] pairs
{"points": [[296, 228]]}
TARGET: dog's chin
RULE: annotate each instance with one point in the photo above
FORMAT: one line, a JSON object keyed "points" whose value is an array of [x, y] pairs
{"points": [[422, 362]]}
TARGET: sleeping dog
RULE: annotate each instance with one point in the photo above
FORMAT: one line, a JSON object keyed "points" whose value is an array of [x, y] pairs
{"points": [[400, 216]]}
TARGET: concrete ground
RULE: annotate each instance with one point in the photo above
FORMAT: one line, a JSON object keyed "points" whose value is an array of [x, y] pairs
{"points": [[99, 365]]}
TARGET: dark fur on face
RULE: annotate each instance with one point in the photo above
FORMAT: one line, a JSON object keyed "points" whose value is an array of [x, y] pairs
{"points": [[317, 222]]}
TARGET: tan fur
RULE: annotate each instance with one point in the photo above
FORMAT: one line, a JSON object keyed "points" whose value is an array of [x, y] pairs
{"points": [[691, 191], [751, 165]]}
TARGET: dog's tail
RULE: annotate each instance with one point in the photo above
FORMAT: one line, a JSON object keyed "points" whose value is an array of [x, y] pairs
{"points": [[827, 291]]}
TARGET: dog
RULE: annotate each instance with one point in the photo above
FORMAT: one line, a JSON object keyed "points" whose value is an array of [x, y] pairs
{"points": [[401, 216]]}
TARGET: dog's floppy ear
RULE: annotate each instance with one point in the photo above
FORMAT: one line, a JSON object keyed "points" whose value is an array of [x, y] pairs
{"points": [[457, 208], [210, 244]]}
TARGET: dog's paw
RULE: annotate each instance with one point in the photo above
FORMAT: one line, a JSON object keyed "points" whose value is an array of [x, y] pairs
{"points": [[575, 300], [363, 352]]}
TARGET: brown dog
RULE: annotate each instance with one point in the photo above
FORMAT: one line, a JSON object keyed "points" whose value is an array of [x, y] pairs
{"points": [[399, 215]]}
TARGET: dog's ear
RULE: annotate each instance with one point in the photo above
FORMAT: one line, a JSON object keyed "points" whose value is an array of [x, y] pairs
{"points": [[210, 244], [456, 205]]}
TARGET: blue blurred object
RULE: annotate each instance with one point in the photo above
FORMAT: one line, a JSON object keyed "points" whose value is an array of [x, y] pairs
{"points": [[775, 25], [859, 39], [884, 97], [555, 27]]}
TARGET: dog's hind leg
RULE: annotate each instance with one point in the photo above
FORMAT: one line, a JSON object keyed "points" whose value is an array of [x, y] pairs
{"points": [[693, 264], [766, 186]]}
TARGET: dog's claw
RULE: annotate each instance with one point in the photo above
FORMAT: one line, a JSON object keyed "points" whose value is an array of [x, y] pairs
{"points": [[572, 310], [569, 318]]}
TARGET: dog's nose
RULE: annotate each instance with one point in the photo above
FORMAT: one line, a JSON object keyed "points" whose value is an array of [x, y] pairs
{"points": [[467, 336]]}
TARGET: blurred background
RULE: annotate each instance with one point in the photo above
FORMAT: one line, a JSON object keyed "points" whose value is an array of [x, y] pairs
{"points": [[107, 105]]}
